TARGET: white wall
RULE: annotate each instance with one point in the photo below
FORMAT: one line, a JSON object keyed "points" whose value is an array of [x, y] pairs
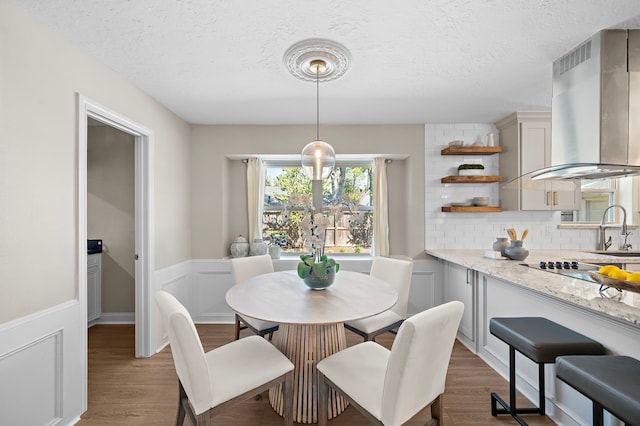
{"points": [[479, 230]]}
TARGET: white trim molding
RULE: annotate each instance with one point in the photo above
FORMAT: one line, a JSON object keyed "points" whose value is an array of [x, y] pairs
{"points": [[144, 213]]}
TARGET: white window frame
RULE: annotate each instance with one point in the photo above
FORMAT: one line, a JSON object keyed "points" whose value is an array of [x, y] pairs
{"points": [[351, 162]]}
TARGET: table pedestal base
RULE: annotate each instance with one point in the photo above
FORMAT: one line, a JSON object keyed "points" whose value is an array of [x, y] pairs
{"points": [[305, 345]]}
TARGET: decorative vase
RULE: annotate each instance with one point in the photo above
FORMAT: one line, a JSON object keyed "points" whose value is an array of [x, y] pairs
{"points": [[258, 247], [500, 245], [240, 247], [515, 251], [315, 282], [274, 251]]}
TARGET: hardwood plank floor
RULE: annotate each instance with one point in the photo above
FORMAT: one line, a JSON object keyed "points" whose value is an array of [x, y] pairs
{"points": [[124, 390]]}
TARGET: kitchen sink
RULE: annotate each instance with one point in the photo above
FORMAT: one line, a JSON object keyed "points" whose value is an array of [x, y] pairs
{"points": [[616, 253]]}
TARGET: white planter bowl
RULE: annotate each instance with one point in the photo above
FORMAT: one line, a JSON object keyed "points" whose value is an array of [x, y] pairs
{"points": [[471, 172]]}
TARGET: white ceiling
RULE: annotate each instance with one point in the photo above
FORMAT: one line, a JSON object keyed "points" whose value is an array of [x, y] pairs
{"points": [[413, 61]]}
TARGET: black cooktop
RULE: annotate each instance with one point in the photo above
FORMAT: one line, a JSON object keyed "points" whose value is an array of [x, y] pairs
{"points": [[568, 268]]}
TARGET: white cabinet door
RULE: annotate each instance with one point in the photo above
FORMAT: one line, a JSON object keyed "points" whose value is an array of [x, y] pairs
{"points": [[460, 285], [526, 141], [535, 150], [94, 287], [565, 195]]}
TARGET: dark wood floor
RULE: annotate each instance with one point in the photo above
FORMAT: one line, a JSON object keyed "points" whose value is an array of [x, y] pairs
{"points": [[124, 390]]}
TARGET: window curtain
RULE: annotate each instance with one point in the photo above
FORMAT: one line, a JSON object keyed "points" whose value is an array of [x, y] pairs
{"points": [[255, 193], [380, 208]]}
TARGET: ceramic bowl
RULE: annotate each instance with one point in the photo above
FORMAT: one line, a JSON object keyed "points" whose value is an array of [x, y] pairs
{"points": [[480, 201], [456, 144]]}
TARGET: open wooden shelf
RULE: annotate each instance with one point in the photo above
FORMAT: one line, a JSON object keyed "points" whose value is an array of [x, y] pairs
{"points": [[471, 179], [471, 150], [472, 209]]}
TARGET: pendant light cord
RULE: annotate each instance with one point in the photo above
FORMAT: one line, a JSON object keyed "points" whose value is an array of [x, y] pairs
{"points": [[317, 102]]}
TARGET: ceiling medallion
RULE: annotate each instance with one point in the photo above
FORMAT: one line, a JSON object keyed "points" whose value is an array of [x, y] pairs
{"points": [[298, 59]]}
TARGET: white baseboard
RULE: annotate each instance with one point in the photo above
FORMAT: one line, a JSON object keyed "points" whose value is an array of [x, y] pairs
{"points": [[116, 318]]}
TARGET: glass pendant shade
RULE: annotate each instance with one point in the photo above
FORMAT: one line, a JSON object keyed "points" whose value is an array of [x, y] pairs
{"points": [[318, 160]]}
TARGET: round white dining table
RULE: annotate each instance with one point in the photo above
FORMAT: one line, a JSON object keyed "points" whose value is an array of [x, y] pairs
{"points": [[310, 325]]}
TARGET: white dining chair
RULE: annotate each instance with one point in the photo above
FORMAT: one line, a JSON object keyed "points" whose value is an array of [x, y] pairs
{"points": [[390, 387], [216, 380], [243, 268], [396, 272]]}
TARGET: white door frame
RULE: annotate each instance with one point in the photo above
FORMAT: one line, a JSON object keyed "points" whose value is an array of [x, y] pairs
{"points": [[144, 217]]}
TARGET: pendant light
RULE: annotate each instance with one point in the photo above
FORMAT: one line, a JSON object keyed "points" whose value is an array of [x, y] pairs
{"points": [[318, 157]]}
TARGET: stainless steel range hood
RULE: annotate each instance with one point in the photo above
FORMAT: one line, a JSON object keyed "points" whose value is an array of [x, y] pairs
{"points": [[596, 109]]}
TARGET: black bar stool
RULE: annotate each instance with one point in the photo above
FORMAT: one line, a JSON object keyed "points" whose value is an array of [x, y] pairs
{"points": [[540, 340], [611, 382]]}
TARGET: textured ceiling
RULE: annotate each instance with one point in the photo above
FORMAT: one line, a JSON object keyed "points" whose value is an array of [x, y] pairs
{"points": [[413, 61]]}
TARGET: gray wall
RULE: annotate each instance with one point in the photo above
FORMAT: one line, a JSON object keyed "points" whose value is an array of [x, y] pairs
{"points": [[218, 177], [40, 79]]}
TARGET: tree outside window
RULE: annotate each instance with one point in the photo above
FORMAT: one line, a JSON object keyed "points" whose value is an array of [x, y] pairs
{"points": [[349, 186]]}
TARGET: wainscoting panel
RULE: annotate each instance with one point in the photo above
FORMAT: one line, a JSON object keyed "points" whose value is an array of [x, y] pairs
{"points": [[41, 370], [426, 286], [212, 279], [32, 377], [201, 285]]}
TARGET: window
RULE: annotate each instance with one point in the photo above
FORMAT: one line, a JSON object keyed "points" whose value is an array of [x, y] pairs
{"points": [[350, 186], [596, 196]]}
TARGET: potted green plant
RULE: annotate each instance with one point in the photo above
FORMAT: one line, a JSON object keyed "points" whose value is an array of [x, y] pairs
{"points": [[317, 273], [470, 169]]}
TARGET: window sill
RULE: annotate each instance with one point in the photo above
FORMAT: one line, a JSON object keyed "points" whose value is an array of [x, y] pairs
{"points": [[592, 225], [349, 256]]}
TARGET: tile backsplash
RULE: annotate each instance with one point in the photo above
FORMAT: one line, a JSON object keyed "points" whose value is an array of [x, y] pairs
{"points": [[479, 230]]}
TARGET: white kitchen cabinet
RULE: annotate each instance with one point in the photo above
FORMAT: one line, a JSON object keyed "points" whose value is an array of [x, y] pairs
{"points": [[94, 287], [460, 284], [526, 146]]}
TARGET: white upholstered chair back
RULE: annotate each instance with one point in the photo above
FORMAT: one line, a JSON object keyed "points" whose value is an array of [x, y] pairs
{"points": [[418, 361], [396, 272], [243, 268], [188, 353]]}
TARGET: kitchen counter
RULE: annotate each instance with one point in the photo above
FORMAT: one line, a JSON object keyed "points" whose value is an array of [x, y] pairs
{"points": [[503, 288], [623, 306]]}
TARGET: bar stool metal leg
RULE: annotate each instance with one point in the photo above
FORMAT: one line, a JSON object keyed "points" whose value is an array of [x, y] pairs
{"points": [[541, 389], [511, 408], [512, 380], [597, 414]]}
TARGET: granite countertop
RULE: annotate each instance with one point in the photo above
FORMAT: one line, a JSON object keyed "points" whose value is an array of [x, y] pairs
{"points": [[623, 306]]}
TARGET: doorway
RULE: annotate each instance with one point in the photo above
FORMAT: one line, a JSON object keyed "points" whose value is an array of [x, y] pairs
{"points": [[143, 221], [111, 221]]}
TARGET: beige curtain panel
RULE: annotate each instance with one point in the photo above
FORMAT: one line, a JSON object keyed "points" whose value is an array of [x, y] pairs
{"points": [[255, 192], [380, 206]]}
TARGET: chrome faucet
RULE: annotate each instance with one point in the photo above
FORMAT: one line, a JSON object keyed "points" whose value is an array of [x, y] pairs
{"points": [[605, 244]]}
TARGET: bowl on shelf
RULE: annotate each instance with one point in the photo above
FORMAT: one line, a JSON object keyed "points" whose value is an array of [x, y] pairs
{"points": [[480, 201], [473, 169], [456, 144]]}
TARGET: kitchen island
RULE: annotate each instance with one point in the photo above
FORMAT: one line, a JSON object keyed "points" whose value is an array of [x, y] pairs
{"points": [[504, 288]]}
